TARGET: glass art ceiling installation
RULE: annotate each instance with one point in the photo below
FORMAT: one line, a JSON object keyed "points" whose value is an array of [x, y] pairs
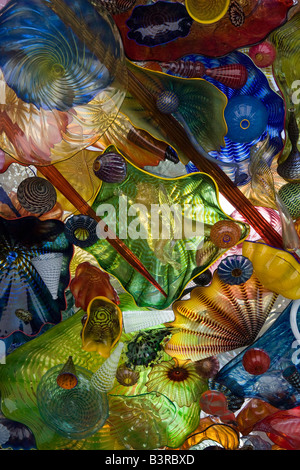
{"points": [[149, 225]]}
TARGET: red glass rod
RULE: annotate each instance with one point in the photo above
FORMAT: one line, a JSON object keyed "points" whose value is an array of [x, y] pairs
{"points": [[225, 185], [59, 181]]}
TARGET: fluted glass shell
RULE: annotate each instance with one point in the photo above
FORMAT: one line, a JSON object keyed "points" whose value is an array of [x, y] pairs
{"points": [[219, 318], [75, 413]]}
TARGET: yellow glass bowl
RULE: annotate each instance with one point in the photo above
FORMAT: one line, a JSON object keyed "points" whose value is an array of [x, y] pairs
{"points": [[276, 269], [207, 11]]}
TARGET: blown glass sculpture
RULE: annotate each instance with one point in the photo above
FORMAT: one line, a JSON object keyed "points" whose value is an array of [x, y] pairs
{"points": [[34, 260], [235, 270], [286, 71], [188, 101], [174, 253], [219, 318], [56, 89], [207, 12], [103, 379], [135, 314], [90, 282], [243, 25], [277, 269], [69, 412], [180, 383], [103, 326], [252, 112], [282, 428], [146, 419], [281, 346]]}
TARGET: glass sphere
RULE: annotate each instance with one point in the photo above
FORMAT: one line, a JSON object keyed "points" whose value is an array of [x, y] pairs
{"points": [[75, 413]]}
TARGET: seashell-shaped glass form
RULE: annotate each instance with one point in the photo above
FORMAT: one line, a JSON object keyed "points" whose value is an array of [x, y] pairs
{"points": [[219, 318], [103, 327], [67, 378], [63, 78], [139, 320], [74, 413], [103, 379], [236, 14], [207, 367], [49, 266], [225, 233], [127, 377], [90, 282], [235, 269]]}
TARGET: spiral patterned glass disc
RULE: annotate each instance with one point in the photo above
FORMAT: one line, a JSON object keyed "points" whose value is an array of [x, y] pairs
{"points": [[74, 413], [63, 78], [36, 195]]}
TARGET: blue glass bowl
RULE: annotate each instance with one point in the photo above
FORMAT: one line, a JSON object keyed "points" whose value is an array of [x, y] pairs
{"points": [[257, 86], [246, 118]]}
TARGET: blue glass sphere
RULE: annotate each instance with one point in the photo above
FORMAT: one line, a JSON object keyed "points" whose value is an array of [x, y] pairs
{"points": [[167, 102], [246, 118], [74, 413]]}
